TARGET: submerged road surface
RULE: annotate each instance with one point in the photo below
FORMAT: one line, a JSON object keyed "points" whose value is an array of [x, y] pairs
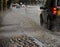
{"points": [[25, 20]]}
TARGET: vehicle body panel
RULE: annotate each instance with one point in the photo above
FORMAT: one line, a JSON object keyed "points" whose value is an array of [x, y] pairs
{"points": [[48, 12]]}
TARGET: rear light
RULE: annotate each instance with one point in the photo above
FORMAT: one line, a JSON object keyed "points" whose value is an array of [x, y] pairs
{"points": [[54, 10]]}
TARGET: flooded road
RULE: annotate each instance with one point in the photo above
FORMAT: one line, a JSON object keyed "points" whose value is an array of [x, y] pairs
{"points": [[26, 21]]}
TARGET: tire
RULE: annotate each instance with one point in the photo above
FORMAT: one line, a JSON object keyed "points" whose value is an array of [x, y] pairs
{"points": [[49, 24], [41, 19]]}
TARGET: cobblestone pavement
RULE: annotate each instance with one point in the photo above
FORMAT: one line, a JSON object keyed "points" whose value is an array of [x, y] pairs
{"points": [[24, 20], [21, 41]]}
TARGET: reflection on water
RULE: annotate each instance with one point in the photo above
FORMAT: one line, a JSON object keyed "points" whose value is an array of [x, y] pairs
{"points": [[1, 18]]}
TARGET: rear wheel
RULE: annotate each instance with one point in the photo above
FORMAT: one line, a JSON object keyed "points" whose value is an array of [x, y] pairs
{"points": [[49, 24], [41, 19]]}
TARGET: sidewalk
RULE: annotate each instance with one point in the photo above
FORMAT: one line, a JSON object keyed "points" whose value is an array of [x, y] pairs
{"points": [[2, 14]]}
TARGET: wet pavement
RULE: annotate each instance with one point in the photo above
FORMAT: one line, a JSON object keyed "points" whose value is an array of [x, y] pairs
{"points": [[25, 20], [20, 41]]}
